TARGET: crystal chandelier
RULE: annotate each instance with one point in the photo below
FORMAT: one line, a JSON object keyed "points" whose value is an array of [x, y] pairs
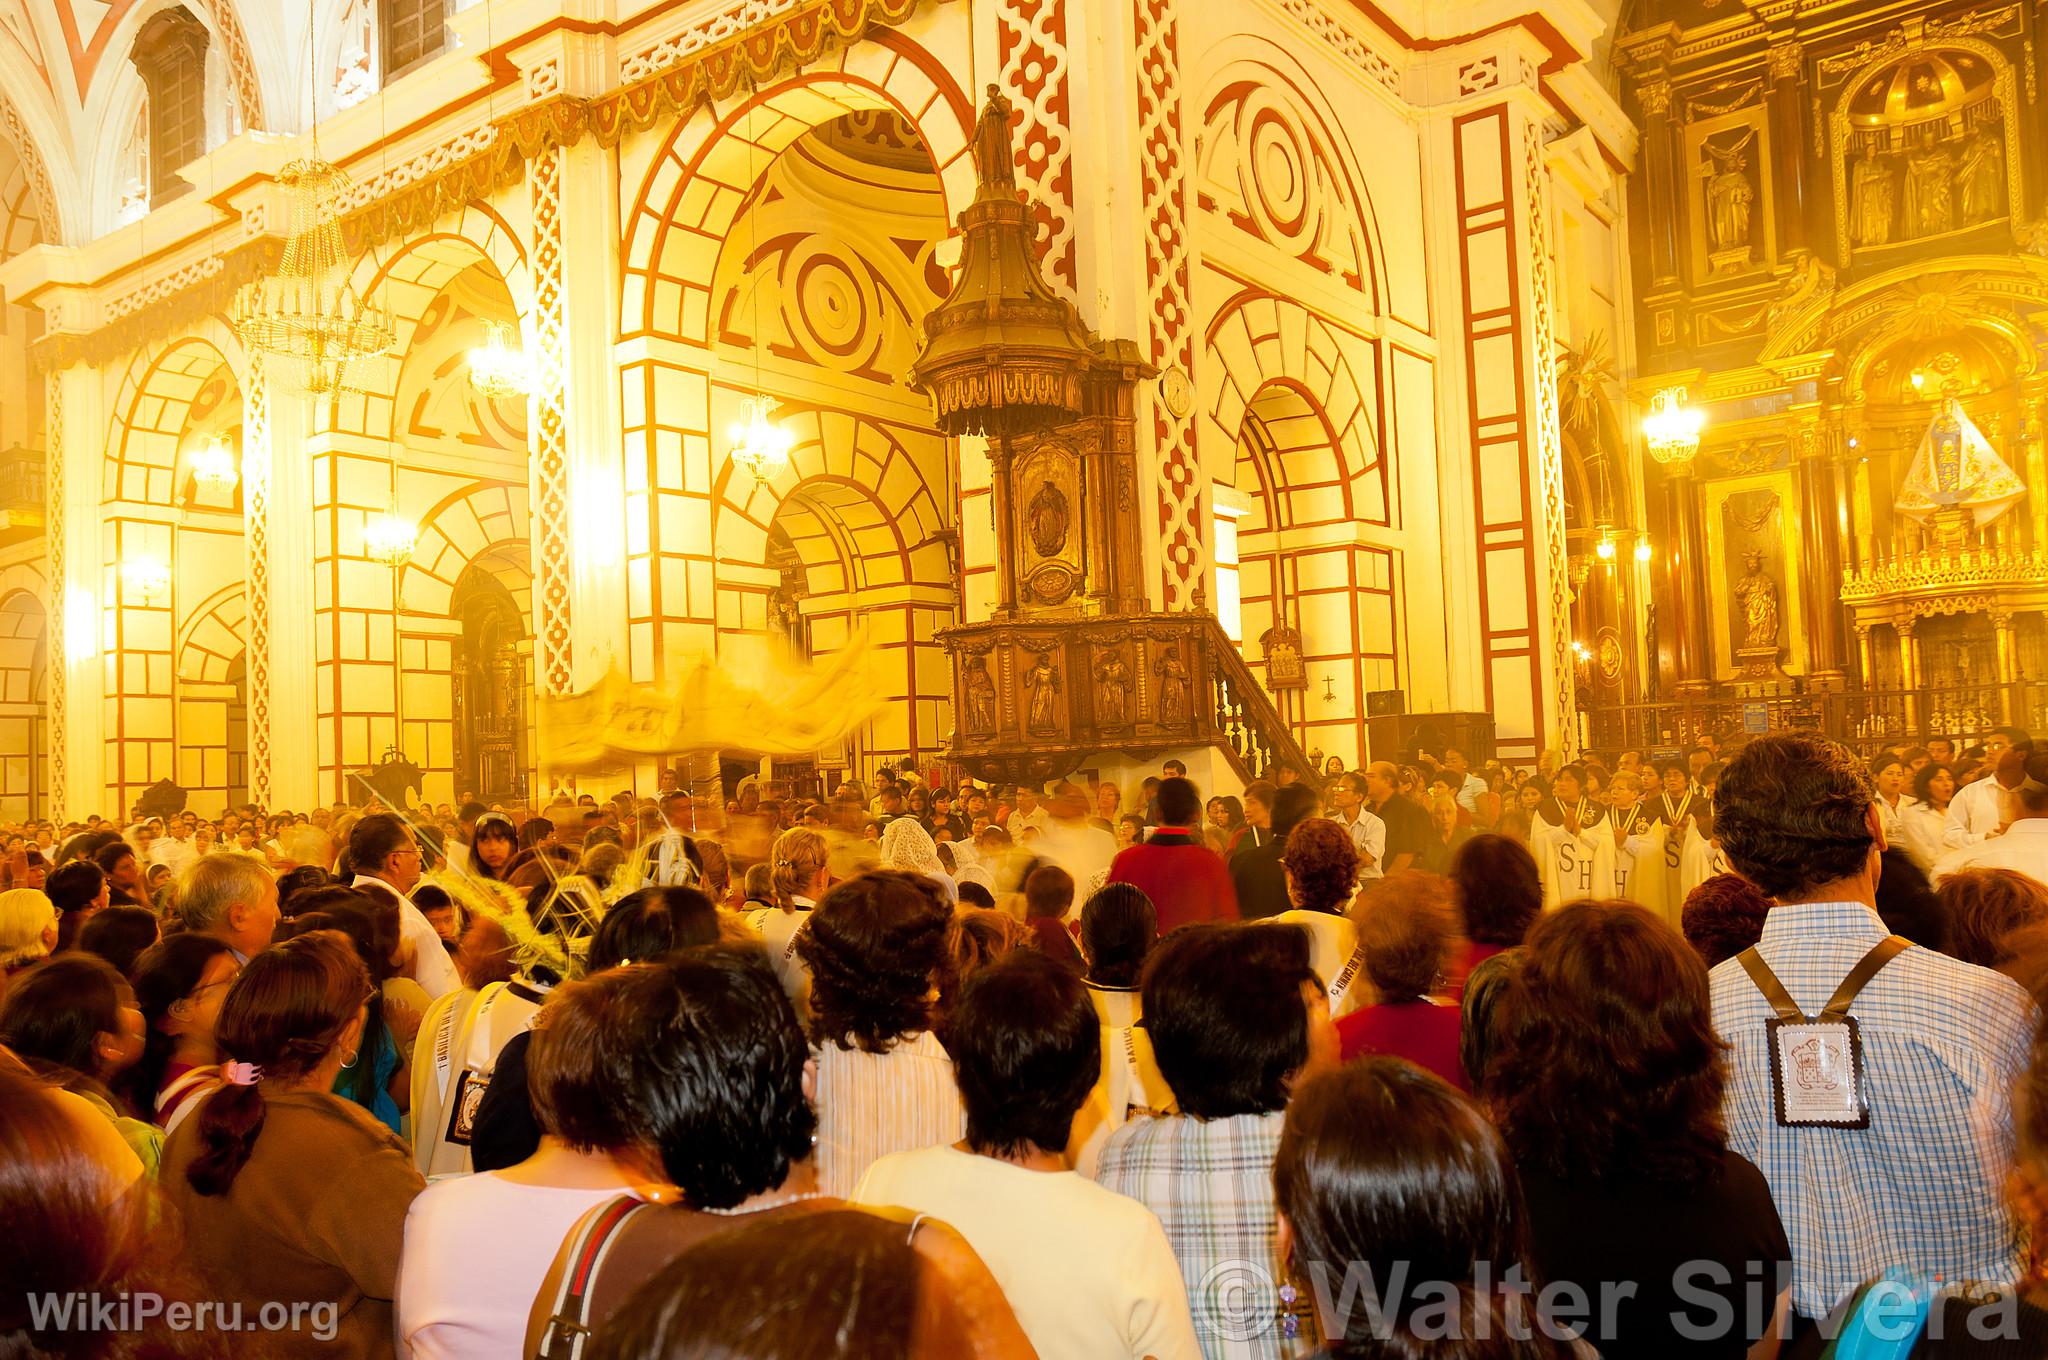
{"points": [[307, 314], [496, 369], [148, 577], [213, 467], [1672, 428], [390, 539], [758, 443]]}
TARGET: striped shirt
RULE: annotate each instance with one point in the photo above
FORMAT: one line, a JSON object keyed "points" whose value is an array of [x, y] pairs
{"points": [[1210, 1181], [1923, 1187], [873, 1104]]}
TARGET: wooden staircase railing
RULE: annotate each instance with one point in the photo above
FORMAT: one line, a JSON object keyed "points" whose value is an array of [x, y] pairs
{"points": [[1253, 735]]}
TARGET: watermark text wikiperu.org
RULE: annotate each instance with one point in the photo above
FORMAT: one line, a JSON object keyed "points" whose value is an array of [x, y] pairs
{"points": [[88, 1311]]}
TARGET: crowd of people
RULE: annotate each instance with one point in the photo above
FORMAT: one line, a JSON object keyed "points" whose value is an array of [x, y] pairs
{"points": [[1733, 1054]]}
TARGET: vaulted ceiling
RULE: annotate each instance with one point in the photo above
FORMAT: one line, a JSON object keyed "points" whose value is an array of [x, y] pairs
{"points": [[78, 31], [70, 97]]}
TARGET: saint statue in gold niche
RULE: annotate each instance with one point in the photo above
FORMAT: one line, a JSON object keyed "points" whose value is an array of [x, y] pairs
{"points": [[1729, 195], [1930, 182], [1980, 181], [1758, 596], [1871, 193]]}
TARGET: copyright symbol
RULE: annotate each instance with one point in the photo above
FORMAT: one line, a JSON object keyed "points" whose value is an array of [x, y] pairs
{"points": [[1234, 1300]]}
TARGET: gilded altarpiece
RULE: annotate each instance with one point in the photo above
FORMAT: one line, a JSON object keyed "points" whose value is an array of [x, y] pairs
{"points": [[1838, 238]]}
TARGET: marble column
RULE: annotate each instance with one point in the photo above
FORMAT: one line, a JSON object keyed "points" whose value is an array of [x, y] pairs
{"points": [[1822, 578], [1912, 677], [1685, 559], [1660, 171], [1787, 166], [2008, 666]]}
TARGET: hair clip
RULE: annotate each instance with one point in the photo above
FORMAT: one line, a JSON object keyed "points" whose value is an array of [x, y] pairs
{"points": [[240, 1073]]}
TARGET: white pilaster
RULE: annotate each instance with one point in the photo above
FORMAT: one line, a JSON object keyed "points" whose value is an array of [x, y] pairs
{"points": [[288, 524], [589, 230], [76, 448]]}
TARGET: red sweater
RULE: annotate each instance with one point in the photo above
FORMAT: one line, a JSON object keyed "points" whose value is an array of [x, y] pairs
{"points": [[1424, 1034], [1186, 880]]}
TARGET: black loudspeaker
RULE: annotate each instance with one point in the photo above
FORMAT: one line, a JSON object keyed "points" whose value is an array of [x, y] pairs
{"points": [[1382, 703], [1397, 736]]}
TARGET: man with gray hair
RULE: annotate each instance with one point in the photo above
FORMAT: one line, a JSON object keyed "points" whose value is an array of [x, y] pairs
{"points": [[231, 897]]}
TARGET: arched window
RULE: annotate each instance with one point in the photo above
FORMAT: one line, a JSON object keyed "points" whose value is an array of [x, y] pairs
{"points": [[170, 54], [413, 30]]}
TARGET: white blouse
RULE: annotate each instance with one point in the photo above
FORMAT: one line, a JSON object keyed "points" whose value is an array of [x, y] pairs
{"points": [[873, 1104], [1920, 830], [476, 1251], [1894, 818]]}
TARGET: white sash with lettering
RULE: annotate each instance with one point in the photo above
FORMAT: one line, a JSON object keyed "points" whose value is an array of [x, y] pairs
{"points": [[1699, 861], [1570, 866], [1647, 881]]}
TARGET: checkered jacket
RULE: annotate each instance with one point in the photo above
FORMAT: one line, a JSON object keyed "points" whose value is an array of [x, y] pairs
{"points": [[1211, 1184]]}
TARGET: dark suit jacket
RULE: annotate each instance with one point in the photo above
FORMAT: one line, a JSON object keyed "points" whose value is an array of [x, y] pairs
{"points": [[1260, 880]]}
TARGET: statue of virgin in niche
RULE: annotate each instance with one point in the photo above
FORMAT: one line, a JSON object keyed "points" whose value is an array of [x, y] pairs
{"points": [[1046, 517]]}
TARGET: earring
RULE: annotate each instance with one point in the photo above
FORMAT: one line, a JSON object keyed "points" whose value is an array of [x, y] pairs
{"points": [[350, 1060]]}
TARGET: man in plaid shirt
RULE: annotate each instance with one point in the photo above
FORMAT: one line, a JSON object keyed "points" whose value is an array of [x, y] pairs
{"points": [[1235, 1015], [1922, 1188]]}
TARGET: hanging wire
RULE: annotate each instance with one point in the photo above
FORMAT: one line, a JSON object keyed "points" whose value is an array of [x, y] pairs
{"points": [[754, 234], [313, 71]]}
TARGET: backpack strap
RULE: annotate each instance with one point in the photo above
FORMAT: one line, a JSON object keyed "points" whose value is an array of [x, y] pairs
{"points": [[568, 1328]]}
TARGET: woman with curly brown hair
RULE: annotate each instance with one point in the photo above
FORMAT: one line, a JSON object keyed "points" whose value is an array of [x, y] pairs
{"points": [[1984, 907], [1321, 862], [876, 952], [1607, 1081]]}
